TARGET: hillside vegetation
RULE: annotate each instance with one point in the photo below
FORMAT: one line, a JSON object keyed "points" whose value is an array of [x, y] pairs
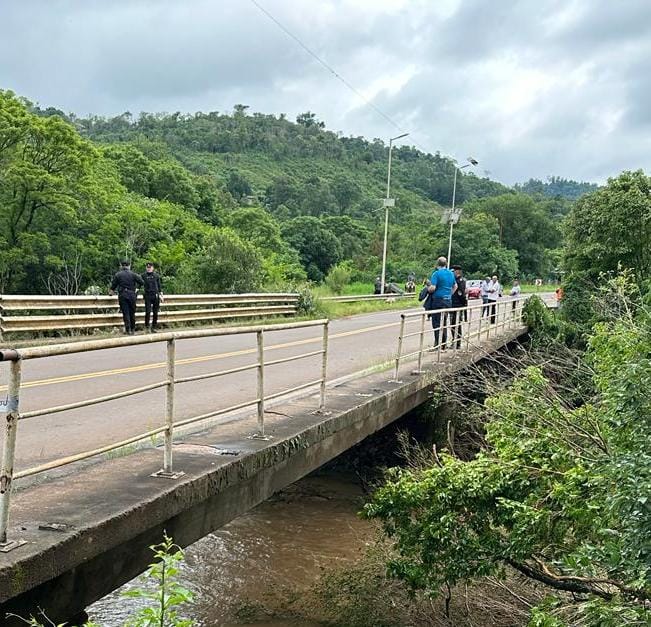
{"points": [[240, 201]]}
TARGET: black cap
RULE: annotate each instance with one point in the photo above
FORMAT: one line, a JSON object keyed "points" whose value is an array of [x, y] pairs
{"points": [[150, 264], [125, 262], [456, 268]]}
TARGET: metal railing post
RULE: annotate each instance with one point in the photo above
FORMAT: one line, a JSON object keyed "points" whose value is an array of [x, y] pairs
{"points": [[421, 342], [440, 343], [468, 327], [260, 339], [399, 355], [481, 317], [169, 404], [8, 453], [324, 365]]}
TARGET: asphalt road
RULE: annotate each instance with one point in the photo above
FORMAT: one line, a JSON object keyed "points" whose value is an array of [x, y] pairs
{"points": [[356, 343]]}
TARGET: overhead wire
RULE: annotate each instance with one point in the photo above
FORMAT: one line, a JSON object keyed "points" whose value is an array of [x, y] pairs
{"points": [[334, 72]]}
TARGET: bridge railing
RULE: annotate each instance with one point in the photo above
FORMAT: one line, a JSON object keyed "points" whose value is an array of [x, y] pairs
{"points": [[14, 416], [459, 327], [26, 313]]}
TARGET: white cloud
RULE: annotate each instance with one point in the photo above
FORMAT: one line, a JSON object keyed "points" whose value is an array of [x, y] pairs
{"points": [[530, 87]]}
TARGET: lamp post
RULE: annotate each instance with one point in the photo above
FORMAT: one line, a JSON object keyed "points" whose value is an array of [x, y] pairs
{"points": [[455, 215], [388, 202]]}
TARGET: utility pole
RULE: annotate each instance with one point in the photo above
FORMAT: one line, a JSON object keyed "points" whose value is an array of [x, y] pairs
{"points": [[388, 202], [454, 215]]}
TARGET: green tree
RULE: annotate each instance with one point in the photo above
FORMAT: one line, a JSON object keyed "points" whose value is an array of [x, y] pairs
{"points": [[606, 231], [526, 226], [610, 228], [476, 247], [53, 185], [134, 168], [225, 264], [560, 493], [238, 185], [280, 262], [345, 191], [318, 247], [339, 276], [170, 181]]}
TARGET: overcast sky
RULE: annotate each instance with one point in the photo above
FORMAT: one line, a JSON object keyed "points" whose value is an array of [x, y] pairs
{"points": [[530, 88]]}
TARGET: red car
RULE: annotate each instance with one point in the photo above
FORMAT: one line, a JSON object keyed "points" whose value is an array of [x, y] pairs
{"points": [[473, 288]]}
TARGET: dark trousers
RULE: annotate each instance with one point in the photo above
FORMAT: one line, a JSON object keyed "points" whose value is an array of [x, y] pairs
{"points": [[152, 305], [456, 318], [493, 306], [439, 318], [127, 302]]}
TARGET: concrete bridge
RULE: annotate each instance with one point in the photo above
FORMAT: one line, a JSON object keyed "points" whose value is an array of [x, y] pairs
{"points": [[93, 483]]}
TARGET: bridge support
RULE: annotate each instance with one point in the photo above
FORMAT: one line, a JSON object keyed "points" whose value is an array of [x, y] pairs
{"points": [[114, 510]]}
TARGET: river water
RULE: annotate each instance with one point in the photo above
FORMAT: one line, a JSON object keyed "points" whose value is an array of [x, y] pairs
{"points": [[284, 542]]}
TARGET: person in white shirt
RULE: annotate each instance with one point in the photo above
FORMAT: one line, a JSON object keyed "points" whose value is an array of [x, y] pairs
{"points": [[483, 291], [515, 292], [493, 290]]}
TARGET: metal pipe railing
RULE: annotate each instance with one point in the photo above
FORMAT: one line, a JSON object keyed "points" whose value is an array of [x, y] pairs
{"points": [[507, 312], [16, 357], [260, 371], [9, 448]]}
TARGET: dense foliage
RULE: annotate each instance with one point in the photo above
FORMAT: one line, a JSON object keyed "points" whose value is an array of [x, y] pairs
{"points": [[78, 194], [607, 232], [556, 187], [559, 493]]}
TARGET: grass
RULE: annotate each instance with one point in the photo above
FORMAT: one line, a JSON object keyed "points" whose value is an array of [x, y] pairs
{"points": [[532, 289], [343, 310]]}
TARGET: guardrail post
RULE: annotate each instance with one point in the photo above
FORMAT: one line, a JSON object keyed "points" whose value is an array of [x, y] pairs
{"points": [[440, 344], [8, 454], [260, 340], [421, 343], [324, 366], [168, 471], [399, 355], [468, 327], [169, 403]]}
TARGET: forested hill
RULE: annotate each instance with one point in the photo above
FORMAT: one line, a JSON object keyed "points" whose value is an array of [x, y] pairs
{"points": [[557, 187], [240, 201]]}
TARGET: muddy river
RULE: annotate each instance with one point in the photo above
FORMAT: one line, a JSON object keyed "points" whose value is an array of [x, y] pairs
{"points": [[284, 542]]}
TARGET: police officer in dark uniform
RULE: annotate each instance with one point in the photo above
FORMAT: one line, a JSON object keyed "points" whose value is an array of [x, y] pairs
{"points": [[459, 299], [126, 283], [153, 294]]}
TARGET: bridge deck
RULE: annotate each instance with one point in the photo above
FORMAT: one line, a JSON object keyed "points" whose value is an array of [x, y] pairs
{"points": [[101, 521]]}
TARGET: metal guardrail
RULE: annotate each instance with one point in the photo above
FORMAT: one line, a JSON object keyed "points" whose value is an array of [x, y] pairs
{"points": [[456, 330], [13, 416], [23, 313]]}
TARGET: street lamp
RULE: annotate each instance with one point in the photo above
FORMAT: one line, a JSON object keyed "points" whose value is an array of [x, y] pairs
{"points": [[454, 215], [388, 202]]}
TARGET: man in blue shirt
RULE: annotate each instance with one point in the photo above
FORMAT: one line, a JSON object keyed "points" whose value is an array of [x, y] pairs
{"points": [[444, 284]]}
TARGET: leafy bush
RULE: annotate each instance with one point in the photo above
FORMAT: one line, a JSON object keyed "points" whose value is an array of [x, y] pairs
{"points": [[339, 277], [560, 494], [160, 587]]}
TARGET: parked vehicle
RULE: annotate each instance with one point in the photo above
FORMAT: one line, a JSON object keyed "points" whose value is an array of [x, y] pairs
{"points": [[473, 288]]}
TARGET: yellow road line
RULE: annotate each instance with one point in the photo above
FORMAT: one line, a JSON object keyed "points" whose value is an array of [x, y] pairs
{"points": [[191, 360]]}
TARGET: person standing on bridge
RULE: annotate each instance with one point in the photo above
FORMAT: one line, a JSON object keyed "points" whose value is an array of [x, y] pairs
{"points": [[443, 285], [484, 295], [459, 299], [126, 283], [153, 294], [494, 290], [515, 293]]}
